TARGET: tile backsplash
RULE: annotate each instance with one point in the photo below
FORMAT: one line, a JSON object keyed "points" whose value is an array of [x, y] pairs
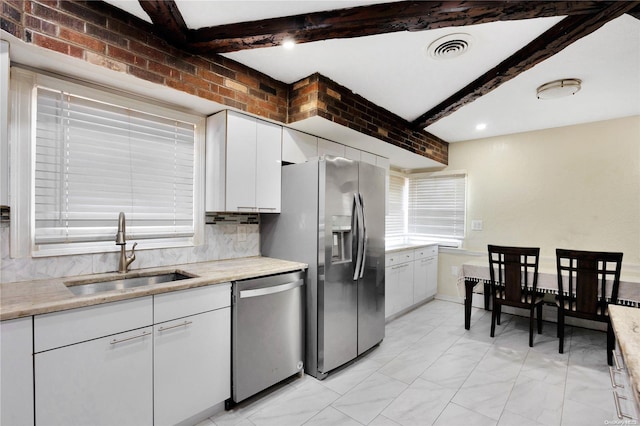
{"points": [[221, 242]]}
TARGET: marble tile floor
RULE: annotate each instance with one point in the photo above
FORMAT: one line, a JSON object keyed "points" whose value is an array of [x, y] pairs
{"points": [[429, 370]]}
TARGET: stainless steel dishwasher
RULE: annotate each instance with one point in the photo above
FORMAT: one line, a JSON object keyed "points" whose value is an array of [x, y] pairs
{"points": [[267, 340]]}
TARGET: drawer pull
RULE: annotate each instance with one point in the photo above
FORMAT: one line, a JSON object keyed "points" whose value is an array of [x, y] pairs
{"points": [[404, 265], [615, 359], [184, 324], [616, 399], [116, 341], [613, 379]]}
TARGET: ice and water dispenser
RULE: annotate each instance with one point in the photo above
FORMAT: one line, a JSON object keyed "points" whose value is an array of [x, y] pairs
{"points": [[341, 239]]}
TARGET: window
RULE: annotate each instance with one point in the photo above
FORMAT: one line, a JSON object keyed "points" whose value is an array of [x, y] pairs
{"points": [[96, 154], [395, 219], [436, 207]]}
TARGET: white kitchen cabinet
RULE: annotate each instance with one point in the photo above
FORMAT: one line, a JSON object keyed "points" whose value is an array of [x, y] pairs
{"points": [[16, 379], [298, 147], [192, 354], [327, 147], [352, 153], [425, 273], [411, 277], [243, 163], [98, 375], [368, 157], [398, 282]]}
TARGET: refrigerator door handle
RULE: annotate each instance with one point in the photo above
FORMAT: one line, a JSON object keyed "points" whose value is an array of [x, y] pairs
{"points": [[357, 235], [363, 228]]}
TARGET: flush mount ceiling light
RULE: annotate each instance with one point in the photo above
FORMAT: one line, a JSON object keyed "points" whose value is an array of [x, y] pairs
{"points": [[559, 88], [450, 46], [288, 44]]}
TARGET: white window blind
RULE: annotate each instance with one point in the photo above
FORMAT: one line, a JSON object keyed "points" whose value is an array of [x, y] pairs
{"points": [[396, 217], [95, 159], [437, 206]]}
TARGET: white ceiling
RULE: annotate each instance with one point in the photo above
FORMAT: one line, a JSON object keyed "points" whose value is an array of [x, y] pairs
{"points": [[394, 71]]}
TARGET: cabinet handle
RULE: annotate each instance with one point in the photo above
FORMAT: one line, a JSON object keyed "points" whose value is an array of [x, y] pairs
{"points": [[613, 379], [616, 399], [184, 324], [247, 208], [116, 341], [615, 359], [404, 265], [267, 208]]}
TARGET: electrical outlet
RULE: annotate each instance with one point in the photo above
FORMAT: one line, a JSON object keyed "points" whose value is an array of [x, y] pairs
{"points": [[242, 233]]}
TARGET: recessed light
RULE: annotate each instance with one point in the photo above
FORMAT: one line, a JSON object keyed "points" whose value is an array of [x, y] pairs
{"points": [[481, 126], [288, 44]]}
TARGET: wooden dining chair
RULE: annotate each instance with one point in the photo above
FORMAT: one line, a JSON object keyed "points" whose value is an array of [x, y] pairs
{"points": [[514, 282], [587, 282]]}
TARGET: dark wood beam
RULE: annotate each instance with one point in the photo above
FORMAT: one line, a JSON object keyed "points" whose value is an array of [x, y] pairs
{"points": [[635, 12], [552, 41], [166, 17], [376, 19]]}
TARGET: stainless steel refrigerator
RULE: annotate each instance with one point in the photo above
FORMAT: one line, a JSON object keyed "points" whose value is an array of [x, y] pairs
{"points": [[332, 218]]}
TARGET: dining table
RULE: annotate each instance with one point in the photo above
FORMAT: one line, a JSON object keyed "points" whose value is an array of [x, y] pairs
{"points": [[474, 277]]}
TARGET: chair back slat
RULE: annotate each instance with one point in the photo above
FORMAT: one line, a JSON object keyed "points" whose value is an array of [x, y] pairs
{"points": [[513, 277], [587, 286]]}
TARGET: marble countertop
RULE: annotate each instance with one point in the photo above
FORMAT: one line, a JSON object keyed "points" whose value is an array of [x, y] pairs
{"points": [[406, 246], [20, 299], [626, 324]]}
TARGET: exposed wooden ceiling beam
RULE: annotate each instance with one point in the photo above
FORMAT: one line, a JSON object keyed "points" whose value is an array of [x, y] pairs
{"points": [[376, 19], [166, 17], [635, 12], [561, 35]]}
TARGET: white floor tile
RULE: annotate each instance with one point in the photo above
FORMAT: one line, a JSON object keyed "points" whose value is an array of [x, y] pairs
{"points": [[420, 404], [455, 415]]}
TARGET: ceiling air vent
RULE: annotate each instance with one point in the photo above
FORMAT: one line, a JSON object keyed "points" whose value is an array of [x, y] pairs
{"points": [[450, 46]]}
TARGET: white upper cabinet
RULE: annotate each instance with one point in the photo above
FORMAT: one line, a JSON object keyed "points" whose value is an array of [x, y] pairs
{"points": [[326, 147], [243, 160], [368, 157], [298, 147]]}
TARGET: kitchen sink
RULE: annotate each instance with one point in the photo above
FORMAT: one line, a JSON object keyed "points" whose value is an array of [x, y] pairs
{"points": [[84, 288]]}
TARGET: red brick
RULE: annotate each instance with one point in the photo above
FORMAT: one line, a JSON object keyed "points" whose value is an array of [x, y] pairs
{"points": [[145, 75], [146, 50], [83, 40], [163, 70]]}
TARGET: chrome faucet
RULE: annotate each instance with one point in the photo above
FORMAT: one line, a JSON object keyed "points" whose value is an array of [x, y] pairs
{"points": [[121, 240]]}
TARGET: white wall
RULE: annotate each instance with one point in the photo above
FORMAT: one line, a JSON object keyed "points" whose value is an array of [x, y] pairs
{"points": [[574, 187]]}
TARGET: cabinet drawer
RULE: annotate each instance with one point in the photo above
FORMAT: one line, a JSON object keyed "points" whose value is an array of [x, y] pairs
{"points": [[398, 257], [168, 306], [426, 252], [77, 325]]}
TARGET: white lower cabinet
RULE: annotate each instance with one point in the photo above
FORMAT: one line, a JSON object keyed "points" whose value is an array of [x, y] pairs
{"points": [[398, 288], [159, 360], [104, 381], [411, 277], [192, 357], [16, 367]]}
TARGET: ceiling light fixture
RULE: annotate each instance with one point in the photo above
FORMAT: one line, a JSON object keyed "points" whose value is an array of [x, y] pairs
{"points": [[450, 46], [288, 44], [481, 126], [559, 88]]}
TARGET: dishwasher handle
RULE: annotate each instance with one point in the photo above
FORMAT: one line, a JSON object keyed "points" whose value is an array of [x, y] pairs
{"points": [[270, 290]]}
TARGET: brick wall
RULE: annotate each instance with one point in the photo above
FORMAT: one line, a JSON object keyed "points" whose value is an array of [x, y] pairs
{"points": [[317, 95], [106, 36]]}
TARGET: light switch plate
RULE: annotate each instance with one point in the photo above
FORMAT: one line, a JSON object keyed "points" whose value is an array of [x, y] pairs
{"points": [[476, 225], [242, 233]]}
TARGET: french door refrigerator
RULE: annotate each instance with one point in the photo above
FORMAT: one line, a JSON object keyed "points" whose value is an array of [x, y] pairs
{"points": [[332, 218]]}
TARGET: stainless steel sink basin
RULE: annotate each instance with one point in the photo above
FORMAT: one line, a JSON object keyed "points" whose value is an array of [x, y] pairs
{"points": [[84, 288]]}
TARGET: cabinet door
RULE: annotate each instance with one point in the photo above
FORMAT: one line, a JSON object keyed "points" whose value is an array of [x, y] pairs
{"points": [[352, 153], [192, 367], [420, 280], [240, 185], [268, 163], [326, 147], [105, 381], [298, 147], [432, 275], [398, 288], [367, 157], [16, 380]]}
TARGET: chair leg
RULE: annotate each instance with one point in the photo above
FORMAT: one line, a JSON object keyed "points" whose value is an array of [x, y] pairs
{"points": [[531, 311], [494, 314], [611, 343], [539, 313], [498, 308], [561, 330]]}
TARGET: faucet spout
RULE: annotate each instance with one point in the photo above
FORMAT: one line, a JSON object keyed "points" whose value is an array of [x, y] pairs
{"points": [[121, 240]]}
